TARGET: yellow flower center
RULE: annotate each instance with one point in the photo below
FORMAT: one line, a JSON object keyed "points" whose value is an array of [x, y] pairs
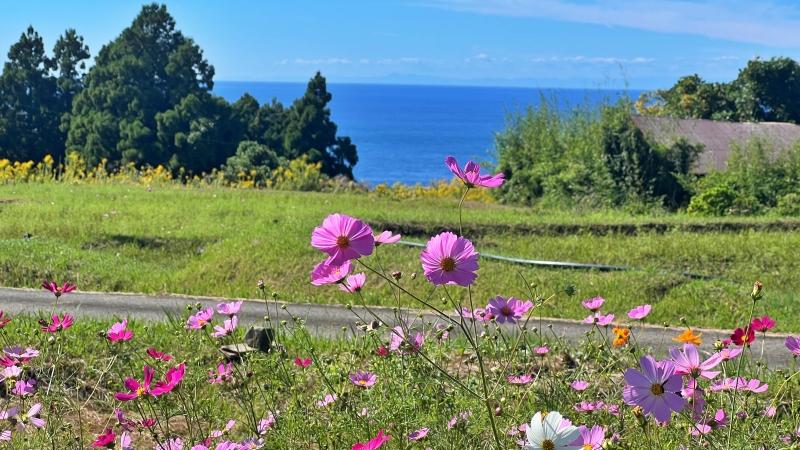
{"points": [[140, 392], [506, 311], [587, 447], [343, 241], [448, 264], [657, 389], [547, 444], [201, 322], [362, 382]]}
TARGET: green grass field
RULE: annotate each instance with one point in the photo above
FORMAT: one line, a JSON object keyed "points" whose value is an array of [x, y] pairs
{"points": [[221, 241]]}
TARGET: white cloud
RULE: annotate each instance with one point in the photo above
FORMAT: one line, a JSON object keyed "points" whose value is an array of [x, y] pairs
{"points": [[594, 60], [723, 58], [765, 23], [315, 62]]}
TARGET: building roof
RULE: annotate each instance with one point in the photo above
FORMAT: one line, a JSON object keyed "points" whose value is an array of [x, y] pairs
{"points": [[715, 136]]}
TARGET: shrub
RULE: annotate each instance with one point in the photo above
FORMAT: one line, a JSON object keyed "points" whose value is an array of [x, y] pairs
{"points": [[789, 205]]}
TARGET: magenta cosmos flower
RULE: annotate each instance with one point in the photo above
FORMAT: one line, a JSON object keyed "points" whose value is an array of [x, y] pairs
{"points": [[343, 238], [173, 377], [105, 439], [228, 327], [762, 324], [324, 273], [119, 332], [136, 389], [471, 175], [449, 259], [741, 337], [599, 319], [372, 444], [354, 283], [56, 290], [793, 344], [386, 238], [58, 324], [222, 374], [640, 312], [158, 355], [654, 388], [363, 379], [579, 385], [509, 310], [593, 304], [199, 320], [519, 379], [688, 363]]}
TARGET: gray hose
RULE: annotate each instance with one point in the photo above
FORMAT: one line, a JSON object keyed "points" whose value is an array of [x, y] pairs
{"points": [[572, 265]]}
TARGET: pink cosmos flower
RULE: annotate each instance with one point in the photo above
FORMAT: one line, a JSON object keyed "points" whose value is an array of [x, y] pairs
{"points": [[593, 304], [266, 424], [55, 289], [125, 424], [12, 372], [173, 377], [372, 444], [171, 444], [105, 439], [588, 407], [579, 385], [158, 355], [354, 282], [228, 328], [3, 321], [729, 353], [471, 175], [519, 379], [726, 384], [136, 389], [763, 324], [250, 443], [695, 403], [58, 324], [229, 309], [741, 337], [327, 400], [719, 420], [199, 320], [769, 411], [448, 259], [793, 344], [222, 375], [590, 438], [599, 319], [363, 379], [343, 238], [302, 362], [654, 388], [30, 418], [228, 427], [24, 387], [509, 310], [386, 238], [419, 434], [640, 312], [324, 273], [688, 363], [402, 341], [125, 442], [753, 385], [540, 350], [118, 332], [23, 353], [479, 314]]}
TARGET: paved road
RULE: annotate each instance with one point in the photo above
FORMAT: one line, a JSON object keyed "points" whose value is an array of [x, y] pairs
{"points": [[325, 320]]}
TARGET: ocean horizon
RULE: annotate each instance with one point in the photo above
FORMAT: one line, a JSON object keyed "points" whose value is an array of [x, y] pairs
{"points": [[404, 132]]}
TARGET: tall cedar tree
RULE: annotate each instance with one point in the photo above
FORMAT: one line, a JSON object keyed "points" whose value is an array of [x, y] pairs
{"points": [[33, 100], [147, 100]]}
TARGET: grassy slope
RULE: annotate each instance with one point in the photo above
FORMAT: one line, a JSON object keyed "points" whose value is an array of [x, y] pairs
{"points": [[220, 241]]}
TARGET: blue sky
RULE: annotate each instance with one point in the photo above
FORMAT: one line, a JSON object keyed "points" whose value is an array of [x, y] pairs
{"points": [[541, 43]]}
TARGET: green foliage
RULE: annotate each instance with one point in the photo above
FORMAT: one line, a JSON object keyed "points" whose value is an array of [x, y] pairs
{"points": [[253, 159], [763, 91], [789, 205], [592, 155], [755, 180]]}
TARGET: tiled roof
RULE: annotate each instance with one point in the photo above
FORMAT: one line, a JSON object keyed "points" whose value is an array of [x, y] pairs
{"points": [[716, 136]]}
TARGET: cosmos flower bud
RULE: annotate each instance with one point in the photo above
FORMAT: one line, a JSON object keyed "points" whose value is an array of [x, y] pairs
{"points": [[397, 275], [756, 294], [413, 275], [569, 290]]}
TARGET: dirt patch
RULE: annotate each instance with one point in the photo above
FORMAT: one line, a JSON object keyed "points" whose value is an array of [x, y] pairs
{"points": [[421, 229]]}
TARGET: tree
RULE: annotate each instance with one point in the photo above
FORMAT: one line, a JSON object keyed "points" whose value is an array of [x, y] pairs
{"points": [[27, 101], [311, 132], [150, 68], [69, 55], [769, 91], [690, 97]]}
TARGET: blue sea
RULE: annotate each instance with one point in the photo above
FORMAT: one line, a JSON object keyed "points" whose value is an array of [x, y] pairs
{"points": [[404, 132]]}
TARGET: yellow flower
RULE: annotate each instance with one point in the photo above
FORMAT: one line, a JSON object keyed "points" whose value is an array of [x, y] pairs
{"points": [[689, 336]]}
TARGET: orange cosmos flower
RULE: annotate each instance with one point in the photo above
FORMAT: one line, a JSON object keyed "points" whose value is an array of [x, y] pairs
{"points": [[689, 336], [623, 334]]}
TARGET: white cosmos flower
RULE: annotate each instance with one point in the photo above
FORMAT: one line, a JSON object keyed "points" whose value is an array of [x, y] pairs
{"points": [[548, 434]]}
